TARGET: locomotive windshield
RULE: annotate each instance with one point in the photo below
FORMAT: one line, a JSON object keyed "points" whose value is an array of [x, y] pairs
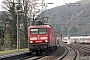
{"points": [[38, 30]]}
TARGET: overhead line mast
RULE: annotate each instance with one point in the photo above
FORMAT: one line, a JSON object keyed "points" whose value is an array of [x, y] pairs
{"points": [[70, 19]]}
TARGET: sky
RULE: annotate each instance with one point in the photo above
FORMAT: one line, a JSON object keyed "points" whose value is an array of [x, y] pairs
{"points": [[55, 3], [59, 2]]}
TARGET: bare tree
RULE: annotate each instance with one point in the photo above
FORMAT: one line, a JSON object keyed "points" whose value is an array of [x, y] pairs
{"points": [[29, 9]]}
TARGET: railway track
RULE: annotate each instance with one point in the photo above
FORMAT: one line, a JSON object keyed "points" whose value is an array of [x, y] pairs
{"points": [[58, 54], [84, 48], [51, 56], [39, 57], [28, 56], [70, 54], [35, 58]]}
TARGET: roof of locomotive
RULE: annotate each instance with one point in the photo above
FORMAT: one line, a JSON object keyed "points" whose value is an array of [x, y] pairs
{"points": [[41, 26]]}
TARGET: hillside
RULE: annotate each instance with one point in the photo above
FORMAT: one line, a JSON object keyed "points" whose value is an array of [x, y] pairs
{"points": [[61, 16]]}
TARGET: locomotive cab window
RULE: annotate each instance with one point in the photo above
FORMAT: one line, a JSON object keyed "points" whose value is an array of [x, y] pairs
{"points": [[34, 31], [38, 30]]}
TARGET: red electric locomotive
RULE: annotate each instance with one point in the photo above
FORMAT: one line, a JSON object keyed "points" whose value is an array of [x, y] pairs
{"points": [[42, 38]]}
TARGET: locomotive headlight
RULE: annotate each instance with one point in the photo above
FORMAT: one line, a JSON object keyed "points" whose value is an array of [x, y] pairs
{"points": [[46, 40], [31, 41]]}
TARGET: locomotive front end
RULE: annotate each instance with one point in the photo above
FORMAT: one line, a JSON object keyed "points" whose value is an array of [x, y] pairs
{"points": [[38, 38]]}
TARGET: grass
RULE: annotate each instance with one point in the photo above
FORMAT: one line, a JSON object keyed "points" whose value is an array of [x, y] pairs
{"points": [[12, 51]]}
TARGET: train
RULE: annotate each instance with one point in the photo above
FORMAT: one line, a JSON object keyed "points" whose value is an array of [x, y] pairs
{"points": [[77, 39], [42, 39]]}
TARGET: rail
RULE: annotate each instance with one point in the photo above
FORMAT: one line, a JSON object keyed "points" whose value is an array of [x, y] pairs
{"points": [[68, 54]]}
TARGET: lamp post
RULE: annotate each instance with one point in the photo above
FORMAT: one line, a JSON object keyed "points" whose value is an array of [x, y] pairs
{"points": [[70, 19], [17, 32], [18, 40]]}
